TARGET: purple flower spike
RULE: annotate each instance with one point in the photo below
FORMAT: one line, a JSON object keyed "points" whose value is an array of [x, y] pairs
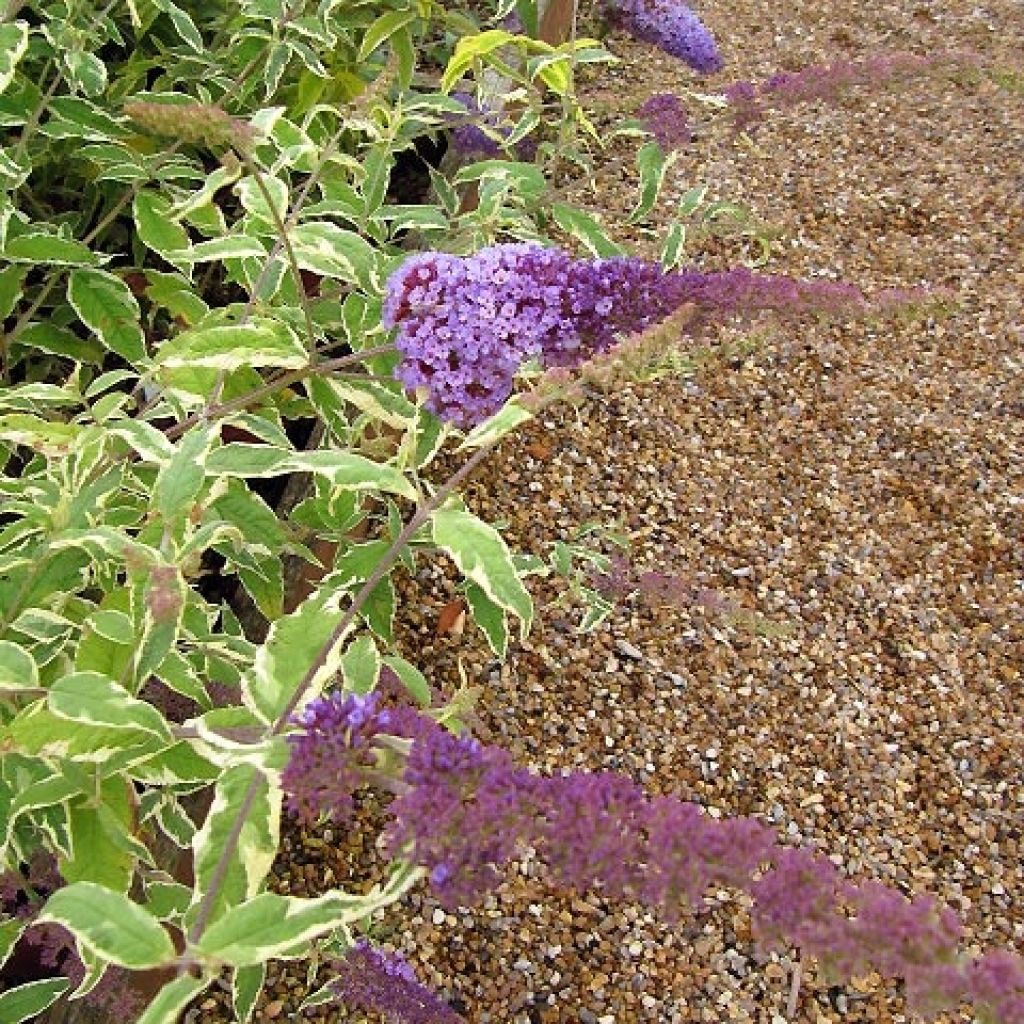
{"points": [[329, 756], [665, 118], [466, 324], [672, 27], [371, 980]]}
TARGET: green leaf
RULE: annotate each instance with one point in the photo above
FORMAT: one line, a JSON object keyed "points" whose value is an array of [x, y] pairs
{"points": [[26, 1002], [691, 200], [167, 899], [10, 932], [230, 247], [469, 50], [326, 249], [353, 472], [18, 670], [71, 117], [154, 226], [109, 925], [12, 279], [246, 985], [232, 346], [411, 678], [96, 700], [102, 851], [481, 555], [49, 250], [382, 30], [173, 998], [294, 643], [13, 44], [585, 229], [491, 619], [243, 793], [673, 251], [509, 418], [360, 665], [179, 482], [105, 304], [271, 926], [86, 72], [183, 24], [59, 341], [653, 164], [254, 202]]}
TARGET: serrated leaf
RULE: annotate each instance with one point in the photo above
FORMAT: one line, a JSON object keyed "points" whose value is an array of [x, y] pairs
{"points": [[509, 418], [26, 1002], [173, 998], [179, 481], [10, 932], [49, 250], [585, 229], [382, 30], [360, 665], [411, 678], [105, 304], [230, 247], [59, 341], [154, 225], [482, 556], [86, 72], [294, 643], [243, 793], [326, 249], [353, 472], [673, 251], [469, 50], [13, 44], [232, 346], [183, 24], [271, 926], [101, 850], [653, 164], [18, 670], [12, 280], [94, 699], [110, 925], [246, 984], [491, 619]]}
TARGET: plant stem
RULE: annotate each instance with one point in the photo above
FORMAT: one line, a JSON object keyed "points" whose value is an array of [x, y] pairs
{"points": [[422, 514]]}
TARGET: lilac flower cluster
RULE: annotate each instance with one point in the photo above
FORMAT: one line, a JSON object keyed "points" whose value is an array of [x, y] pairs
{"points": [[464, 810], [804, 901], [752, 101], [371, 980], [671, 26], [665, 118], [466, 324], [330, 755]]}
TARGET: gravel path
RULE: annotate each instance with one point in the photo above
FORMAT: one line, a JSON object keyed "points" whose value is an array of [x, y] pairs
{"points": [[842, 504]]}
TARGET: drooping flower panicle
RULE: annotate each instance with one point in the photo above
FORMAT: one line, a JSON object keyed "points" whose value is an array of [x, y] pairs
{"points": [[466, 324], [671, 26], [371, 980], [464, 810]]}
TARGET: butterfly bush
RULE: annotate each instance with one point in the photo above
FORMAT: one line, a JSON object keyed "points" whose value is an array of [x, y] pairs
{"points": [[664, 116], [465, 810], [671, 26], [371, 980], [466, 324]]}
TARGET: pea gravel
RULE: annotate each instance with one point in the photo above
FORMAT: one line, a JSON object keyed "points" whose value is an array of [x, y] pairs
{"points": [[843, 501]]}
